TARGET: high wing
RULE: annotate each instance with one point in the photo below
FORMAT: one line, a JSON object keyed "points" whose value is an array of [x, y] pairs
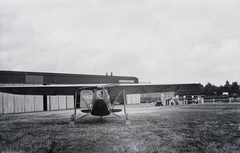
{"points": [[47, 89], [151, 88], [113, 89]]}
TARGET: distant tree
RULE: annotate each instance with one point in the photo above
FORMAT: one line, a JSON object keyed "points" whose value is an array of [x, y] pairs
{"points": [[220, 90], [212, 90], [227, 87], [209, 89], [235, 88], [227, 84]]}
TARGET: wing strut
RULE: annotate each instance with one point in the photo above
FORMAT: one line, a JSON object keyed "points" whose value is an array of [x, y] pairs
{"points": [[114, 103], [75, 99], [124, 101], [88, 105], [127, 121], [73, 116], [75, 103]]}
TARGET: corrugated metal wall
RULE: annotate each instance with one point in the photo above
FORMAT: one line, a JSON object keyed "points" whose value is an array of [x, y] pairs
{"points": [[133, 98], [11, 103]]}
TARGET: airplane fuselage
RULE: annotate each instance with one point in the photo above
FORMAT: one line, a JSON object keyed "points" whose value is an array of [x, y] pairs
{"points": [[101, 103]]}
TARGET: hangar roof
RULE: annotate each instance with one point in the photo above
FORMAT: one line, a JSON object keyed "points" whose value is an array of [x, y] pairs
{"points": [[21, 77]]}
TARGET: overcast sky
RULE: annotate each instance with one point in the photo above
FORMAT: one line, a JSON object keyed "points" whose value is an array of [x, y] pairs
{"points": [[162, 41]]}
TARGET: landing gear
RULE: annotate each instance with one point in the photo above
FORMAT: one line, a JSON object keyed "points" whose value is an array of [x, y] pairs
{"points": [[72, 120], [127, 121]]}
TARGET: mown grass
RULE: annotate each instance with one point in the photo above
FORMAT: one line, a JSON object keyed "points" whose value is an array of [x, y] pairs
{"points": [[174, 129]]}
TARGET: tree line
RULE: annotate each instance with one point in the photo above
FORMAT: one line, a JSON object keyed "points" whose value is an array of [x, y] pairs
{"points": [[212, 90]]}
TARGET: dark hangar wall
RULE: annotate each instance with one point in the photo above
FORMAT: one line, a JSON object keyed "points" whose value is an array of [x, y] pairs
{"points": [[19, 77]]}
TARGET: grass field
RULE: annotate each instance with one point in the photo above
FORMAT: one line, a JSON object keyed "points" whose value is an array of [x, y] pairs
{"points": [[187, 128]]}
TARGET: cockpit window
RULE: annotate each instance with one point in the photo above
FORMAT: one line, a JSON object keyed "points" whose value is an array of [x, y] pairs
{"points": [[101, 94]]}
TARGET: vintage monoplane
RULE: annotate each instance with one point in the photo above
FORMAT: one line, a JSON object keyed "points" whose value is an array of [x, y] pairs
{"points": [[100, 105]]}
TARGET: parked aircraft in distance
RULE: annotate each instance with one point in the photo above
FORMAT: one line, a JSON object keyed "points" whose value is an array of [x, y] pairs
{"points": [[101, 105]]}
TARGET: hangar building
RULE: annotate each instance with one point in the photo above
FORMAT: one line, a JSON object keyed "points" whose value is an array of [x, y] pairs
{"points": [[11, 103]]}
